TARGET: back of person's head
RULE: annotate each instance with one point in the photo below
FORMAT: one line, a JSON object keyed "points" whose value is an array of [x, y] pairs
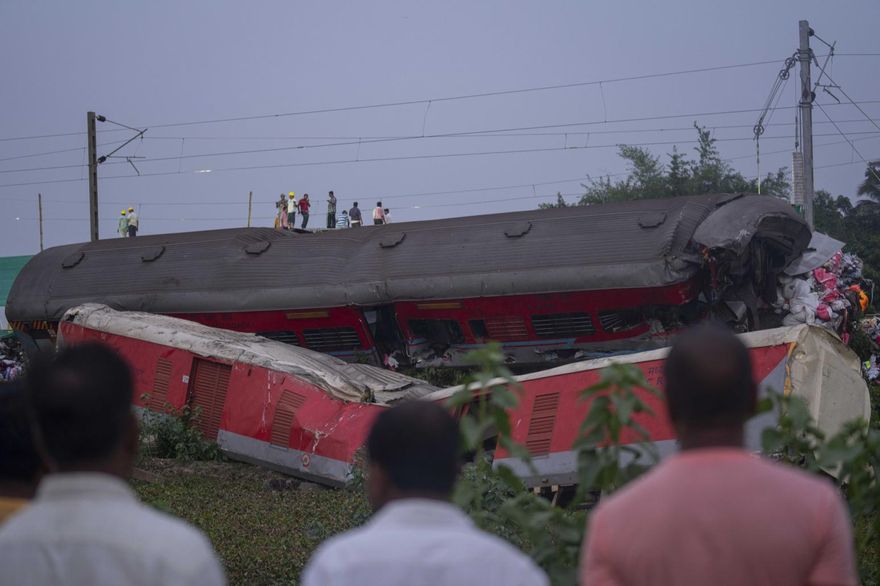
{"points": [[413, 449], [355, 205], [709, 380], [378, 204], [81, 402], [19, 462]]}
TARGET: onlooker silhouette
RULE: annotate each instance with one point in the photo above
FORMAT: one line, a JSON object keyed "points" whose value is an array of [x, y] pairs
{"points": [[19, 463], [715, 513], [417, 536], [86, 526]]}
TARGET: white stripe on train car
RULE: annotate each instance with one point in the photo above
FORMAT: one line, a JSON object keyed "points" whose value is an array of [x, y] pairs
{"points": [[288, 460]]}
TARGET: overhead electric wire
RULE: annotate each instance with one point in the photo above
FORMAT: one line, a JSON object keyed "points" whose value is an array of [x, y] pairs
{"points": [[421, 194], [361, 160], [851, 101], [498, 134], [416, 137], [465, 96], [47, 153], [358, 160], [427, 100], [441, 99], [851, 143]]}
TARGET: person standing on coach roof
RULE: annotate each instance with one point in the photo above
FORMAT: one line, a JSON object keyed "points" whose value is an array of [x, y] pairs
{"points": [[123, 225], [86, 527], [304, 205], [132, 223], [331, 211], [417, 537], [378, 214], [291, 211], [715, 513], [354, 215]]}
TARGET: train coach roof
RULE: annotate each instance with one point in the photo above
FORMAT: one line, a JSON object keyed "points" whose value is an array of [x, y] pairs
{"points": [[644, 243]]}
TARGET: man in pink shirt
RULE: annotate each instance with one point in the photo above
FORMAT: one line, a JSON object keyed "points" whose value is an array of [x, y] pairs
{"points": [[714, 513]]}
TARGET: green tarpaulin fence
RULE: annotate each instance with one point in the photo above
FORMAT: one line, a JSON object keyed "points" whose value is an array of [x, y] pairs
{"points": [[9, 268]]}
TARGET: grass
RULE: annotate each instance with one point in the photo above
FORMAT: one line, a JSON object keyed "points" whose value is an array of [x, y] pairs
{"points": [[264, 535]]}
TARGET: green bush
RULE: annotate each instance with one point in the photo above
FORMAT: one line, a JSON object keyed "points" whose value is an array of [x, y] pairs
{"points": [[552, 535], [175, 435]]}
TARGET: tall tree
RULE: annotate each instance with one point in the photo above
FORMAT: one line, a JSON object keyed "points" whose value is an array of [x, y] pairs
{"points": [[678, 175], [871, 185], [649, 178], [560, 202]]}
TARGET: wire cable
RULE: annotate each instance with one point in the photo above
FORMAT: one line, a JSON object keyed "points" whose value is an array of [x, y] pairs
{"points": [[427, 100], [851, 143], [416, 137]]}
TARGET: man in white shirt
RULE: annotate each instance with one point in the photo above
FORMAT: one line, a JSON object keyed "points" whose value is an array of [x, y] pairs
{"points": [[86, 527], [417, 537], [133, 221]]}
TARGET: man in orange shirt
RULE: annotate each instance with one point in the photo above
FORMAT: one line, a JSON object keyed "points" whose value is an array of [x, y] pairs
{"points": [[19, 464], [715, 513]]}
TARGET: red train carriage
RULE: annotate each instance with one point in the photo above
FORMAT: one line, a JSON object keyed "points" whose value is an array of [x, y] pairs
{"points": [[288, 408], [552, 285], [308, 414]]}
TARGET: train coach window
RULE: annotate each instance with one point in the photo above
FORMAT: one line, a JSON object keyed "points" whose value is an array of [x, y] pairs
{"points": [[623, 319], [563, 325], [330, 339], [506, 328], [288, 337], [478, 328], [437, 331]]}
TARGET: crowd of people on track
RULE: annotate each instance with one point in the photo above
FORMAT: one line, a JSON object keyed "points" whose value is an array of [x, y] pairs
{"points": [[287, 207], [713, 513]]}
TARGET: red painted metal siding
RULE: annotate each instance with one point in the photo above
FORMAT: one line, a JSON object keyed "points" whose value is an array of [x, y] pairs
{"points": [[509, 318], [158, 400], [208, 387], [296, 321], [530, 418], [542, 422], [282, 423]]}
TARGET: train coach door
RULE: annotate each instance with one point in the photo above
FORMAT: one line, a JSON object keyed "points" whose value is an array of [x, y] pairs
{"points": [[208, 385], [382, 321]]}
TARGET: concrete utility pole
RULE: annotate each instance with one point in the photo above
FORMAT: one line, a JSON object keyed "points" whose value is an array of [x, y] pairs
{"points": [[250, 202], [805, 55], [93, 177], [40, 210]]}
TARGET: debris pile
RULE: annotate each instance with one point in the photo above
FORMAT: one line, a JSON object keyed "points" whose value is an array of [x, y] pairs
{"points": [[871, 327], [11, 358], [833, 295]]}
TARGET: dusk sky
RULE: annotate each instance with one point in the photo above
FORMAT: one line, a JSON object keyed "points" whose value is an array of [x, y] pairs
{"points": [[160, 63]]}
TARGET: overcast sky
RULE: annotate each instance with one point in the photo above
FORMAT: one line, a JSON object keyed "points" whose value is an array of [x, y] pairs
{"points": [[152, 63]]}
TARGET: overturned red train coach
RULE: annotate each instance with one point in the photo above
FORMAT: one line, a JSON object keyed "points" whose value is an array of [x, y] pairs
{"points": [[551, 285], [288, 408], [308, 414]]}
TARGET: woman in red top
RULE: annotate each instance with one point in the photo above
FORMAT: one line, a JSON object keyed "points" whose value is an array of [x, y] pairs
{"points": [[304, 209]]}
